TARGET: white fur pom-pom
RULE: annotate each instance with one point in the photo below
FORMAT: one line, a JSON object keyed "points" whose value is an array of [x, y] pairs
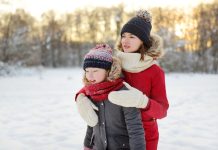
{"points": [[144, 14]]}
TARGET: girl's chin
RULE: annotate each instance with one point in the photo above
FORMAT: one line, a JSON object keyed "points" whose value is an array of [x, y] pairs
{"points": [[126, 51]]}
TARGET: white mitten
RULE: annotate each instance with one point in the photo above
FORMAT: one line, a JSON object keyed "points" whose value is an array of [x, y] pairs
{"points": [[86, 110], [129, 98]]}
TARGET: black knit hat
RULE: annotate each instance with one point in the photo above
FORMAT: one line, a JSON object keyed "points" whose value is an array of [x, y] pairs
{"points": [[140, 26], [99, 57]]}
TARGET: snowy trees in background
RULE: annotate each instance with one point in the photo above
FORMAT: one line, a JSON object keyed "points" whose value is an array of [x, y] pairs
{"points": [[207, 37], [183, 61], [51, 34], [190, 38], [16, 39]]}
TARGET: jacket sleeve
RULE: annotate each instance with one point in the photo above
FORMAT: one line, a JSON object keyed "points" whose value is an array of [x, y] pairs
{"points": [[135, 128], [158, 102], [88, 141]]}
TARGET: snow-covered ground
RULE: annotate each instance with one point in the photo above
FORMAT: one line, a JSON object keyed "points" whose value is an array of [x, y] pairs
{"points": [[38, 112]]}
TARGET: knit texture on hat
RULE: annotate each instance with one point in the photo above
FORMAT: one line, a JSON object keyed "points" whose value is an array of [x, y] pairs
{"points": [[140, 26], [99, 57]]}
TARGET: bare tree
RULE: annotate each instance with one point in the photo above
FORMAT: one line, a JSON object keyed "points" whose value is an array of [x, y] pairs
{"points": [[51, 39], [206, 17], [5, 28], [16, 41]]}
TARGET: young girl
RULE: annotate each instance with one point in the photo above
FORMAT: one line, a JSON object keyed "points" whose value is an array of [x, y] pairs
{"points": [[138, 52], [115, 127]]}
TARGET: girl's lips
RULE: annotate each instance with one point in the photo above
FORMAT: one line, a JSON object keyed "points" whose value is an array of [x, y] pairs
{"points": [[92, 81], [126, 47]]}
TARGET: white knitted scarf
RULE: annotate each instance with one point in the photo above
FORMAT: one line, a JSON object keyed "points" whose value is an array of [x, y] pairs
{"points": [[131, 61]]}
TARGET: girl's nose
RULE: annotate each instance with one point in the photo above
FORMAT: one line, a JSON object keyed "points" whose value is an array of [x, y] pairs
{"points": [[91, 75], [125, 40]]}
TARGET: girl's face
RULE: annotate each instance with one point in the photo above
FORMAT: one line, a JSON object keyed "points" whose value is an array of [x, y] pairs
{"points": [[95, 75], [130, 43]]}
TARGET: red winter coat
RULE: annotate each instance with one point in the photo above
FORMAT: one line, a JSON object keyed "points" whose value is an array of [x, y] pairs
{"points": [[152, 83]]}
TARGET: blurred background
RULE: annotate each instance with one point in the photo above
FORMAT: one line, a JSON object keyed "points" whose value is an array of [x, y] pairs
{"points": [[42, 44], [53, 33]]}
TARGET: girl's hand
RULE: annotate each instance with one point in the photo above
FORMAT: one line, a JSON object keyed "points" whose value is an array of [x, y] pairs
{"points": [[129, 98], [86, 110]]}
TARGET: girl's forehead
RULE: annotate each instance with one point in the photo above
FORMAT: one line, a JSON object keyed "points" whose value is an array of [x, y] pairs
{"points": [[127, 33], [94, 68]]}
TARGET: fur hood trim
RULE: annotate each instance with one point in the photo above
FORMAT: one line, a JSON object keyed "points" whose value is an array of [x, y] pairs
{"points": [[156, 50]]}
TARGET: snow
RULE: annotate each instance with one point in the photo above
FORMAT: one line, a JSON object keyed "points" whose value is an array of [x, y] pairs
{"points": [[38, 112]]}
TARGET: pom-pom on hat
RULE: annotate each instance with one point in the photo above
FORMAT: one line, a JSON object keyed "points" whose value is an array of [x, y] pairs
{"points": [[99, 57], [140, 26]]}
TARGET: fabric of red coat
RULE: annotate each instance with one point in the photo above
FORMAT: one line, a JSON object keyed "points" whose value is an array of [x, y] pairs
{"points": [[152, 83]]}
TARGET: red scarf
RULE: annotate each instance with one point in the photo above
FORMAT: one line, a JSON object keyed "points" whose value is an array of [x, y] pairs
{"points": [[100, 91]]}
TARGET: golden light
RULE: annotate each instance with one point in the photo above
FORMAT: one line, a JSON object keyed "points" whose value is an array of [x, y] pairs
{"points": [[179, 30], [37, 7]]}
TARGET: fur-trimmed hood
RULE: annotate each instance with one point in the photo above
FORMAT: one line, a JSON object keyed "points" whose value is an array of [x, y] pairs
{"points": [[116, 69], [113, 74], [156, 50]]}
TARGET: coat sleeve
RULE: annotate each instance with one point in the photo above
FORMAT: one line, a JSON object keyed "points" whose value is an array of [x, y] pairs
{"points": [[158, 102], [88, 141], [135, 128]]}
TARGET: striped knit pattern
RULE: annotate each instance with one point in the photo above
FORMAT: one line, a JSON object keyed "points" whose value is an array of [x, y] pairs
{"points": [[99, 57]]}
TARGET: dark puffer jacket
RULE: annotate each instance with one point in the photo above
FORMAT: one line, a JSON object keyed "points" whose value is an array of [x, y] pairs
{"points": [[118, 128]]}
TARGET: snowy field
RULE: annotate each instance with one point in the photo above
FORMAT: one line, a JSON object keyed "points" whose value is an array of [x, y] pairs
{"points": [[37, 111]]}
